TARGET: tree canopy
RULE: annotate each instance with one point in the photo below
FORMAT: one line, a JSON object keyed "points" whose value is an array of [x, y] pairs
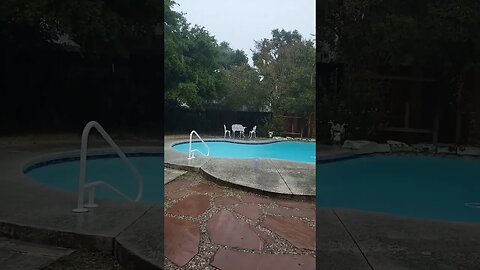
{"points": [[286, 62], [425, 33], [57, 55], [438, 37], [97, 26], [201, 73], [242, 89], [193, 60]]}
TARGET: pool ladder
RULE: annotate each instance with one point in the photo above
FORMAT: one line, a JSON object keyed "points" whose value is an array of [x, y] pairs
{"points": [[90, 187], [191, 151]]}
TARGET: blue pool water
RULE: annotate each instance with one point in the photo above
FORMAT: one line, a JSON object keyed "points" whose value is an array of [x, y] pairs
{"points": [[294, 151], [417, 186], [63, 174]]}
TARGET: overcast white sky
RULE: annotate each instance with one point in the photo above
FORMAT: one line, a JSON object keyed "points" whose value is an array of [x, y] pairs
{"points": [[240, 22]]}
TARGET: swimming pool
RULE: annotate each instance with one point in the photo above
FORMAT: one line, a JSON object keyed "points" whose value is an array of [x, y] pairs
{"points": [[294, 151], [63, 174], [417, 186]]}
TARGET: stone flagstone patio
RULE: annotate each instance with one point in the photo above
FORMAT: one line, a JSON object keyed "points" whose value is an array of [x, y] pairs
{"points": [[208, 226]]}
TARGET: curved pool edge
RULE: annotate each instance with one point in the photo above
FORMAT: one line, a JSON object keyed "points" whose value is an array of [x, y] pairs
{"points": [[37, 213], [341, 154], [261, 141], [275, 177], [92, 151]]}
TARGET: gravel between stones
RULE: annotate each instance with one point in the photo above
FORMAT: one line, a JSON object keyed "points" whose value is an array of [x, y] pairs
{"points": [[207, 249]]}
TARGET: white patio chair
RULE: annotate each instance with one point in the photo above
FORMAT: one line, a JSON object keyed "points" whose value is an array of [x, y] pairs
{"points": [[253, 132], [226, 131]]}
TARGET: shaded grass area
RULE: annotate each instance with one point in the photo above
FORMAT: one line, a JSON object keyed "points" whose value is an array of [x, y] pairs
{"points": [[85, 260]]}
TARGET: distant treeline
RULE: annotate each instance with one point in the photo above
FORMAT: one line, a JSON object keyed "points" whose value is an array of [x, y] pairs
{"points": [[54, 90]]}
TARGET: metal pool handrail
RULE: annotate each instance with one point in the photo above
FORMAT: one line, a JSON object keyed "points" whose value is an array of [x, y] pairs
{"points": [[91, 186], [190, 151]]}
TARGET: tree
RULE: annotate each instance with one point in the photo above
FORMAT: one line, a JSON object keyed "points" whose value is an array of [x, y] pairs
{"points": [[189, 61], [58, 79], [242, 89], [434, 35], [99, 27], [286, 62], [193, 61], [228, 57]]}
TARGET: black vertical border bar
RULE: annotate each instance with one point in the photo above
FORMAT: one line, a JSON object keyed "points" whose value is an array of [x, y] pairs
{"points": [[321, 12]]}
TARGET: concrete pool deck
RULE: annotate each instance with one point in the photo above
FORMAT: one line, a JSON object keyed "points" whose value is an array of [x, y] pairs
{"points": [[16, 254], [33, 212], [351, 239], [262, 174]]}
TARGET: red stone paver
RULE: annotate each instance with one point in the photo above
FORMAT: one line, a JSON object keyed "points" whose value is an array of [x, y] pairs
{"points": [[206, 188], [188, 247], [294, 231], [176, 195], [251, 211], [176, 185], [237, 260], [306, 213], [296, 204], [193, 205], [226, 201], [267, 238], [181, 241], [249, 198], [225, 229]]}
